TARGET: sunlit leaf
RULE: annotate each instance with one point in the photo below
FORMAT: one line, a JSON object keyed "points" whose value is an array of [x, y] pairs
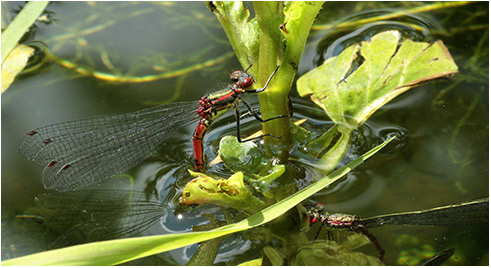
{"points": [[390, 66]]}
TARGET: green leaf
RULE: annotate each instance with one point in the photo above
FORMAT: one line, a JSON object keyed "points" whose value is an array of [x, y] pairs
{"points": [[20, 25], [123, 250], [275, 172], [390, 67], [240, 156], [248, 158]]}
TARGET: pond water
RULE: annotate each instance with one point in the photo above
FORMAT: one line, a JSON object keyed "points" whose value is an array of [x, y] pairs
{"points": [[440, 159]]}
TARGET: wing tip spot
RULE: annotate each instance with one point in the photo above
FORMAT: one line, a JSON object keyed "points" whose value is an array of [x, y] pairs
{"points": [[65, 167], [47, 141]]}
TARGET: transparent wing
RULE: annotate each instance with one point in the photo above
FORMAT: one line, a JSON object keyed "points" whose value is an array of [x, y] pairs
{"points": [[87, 216], [84, 152]]}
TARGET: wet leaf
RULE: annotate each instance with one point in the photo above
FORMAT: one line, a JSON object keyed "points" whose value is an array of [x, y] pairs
{"points": [[14, 63], [390, 66], [275, 172], [245, 156], [317, 146]]}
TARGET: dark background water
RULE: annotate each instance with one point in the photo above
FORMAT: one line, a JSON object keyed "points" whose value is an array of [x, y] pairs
{"points": [[443, 159]]}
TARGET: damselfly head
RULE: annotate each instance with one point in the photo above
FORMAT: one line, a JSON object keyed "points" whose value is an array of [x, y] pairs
{"points": [[241, 79], [205, 102], [314, 213]]}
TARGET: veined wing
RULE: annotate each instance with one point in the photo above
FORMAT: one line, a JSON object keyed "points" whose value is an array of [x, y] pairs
{"points": [[84, 152], [474, 212], [88, 215]]}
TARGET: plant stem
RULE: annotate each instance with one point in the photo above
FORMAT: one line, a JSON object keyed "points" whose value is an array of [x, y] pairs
{"points": [[264, 43], [273, 101]]}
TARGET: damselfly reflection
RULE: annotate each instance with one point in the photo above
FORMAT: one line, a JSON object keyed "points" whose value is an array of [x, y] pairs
{"points": [[88, 216]]}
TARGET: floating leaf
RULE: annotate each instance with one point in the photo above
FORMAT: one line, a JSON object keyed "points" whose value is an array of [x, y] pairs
{"points": [[390, 66]]}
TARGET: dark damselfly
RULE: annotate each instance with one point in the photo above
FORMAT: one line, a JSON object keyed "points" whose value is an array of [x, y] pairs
{"points": [[80, 153], [462, 214]]}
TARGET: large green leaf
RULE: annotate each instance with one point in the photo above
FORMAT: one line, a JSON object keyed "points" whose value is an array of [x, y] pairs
{"points": [[123, 250], [390, 66]]}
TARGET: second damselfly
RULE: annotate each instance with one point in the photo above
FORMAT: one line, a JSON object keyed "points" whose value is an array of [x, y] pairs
{"points": [[474, 212]]}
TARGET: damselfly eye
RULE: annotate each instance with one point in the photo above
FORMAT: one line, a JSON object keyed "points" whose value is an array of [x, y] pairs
{"points": [[247, 82], [235, 76], [241, 79]]}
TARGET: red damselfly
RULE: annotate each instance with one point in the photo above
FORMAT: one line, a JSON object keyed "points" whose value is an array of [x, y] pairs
{"points": [[84, 152], [462, 214]]}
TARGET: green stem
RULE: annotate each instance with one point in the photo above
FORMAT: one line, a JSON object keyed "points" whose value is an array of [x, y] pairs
{"points": [[261, 41], [295, 20], [273, 101]]}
